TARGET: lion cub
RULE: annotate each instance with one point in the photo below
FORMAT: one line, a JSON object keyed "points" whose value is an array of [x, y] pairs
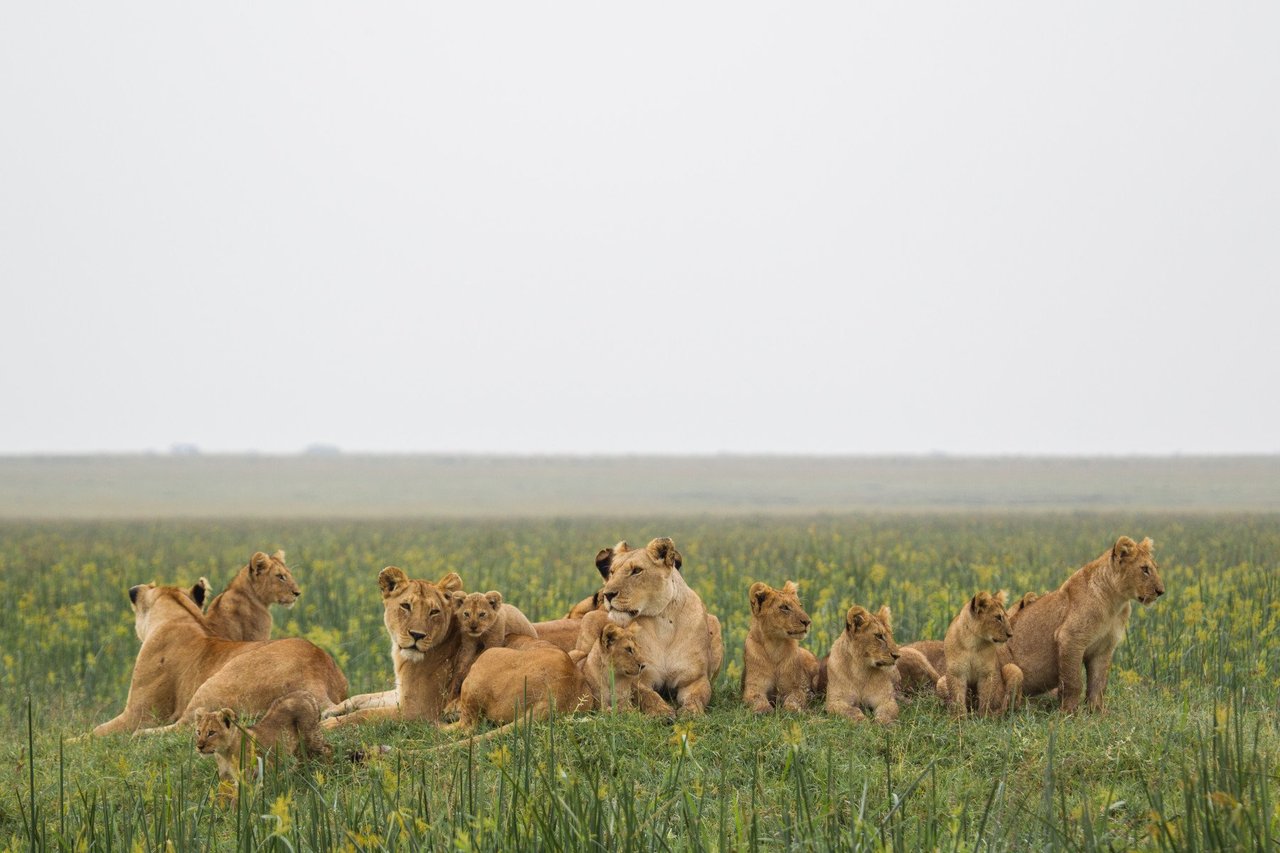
{"points": [[972, 649], [775, 668], [486, 624], [242, 611], [293, 719], [860, 669], [504, 683], [612, 670]]}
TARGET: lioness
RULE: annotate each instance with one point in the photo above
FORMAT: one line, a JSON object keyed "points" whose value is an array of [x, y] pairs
{"points": [[425, 638], [292, 721], [242, 611], [182, 666], [974, 661], [860, 670], [775, 668], [677, 636], [1082, 622], [486, 623]]}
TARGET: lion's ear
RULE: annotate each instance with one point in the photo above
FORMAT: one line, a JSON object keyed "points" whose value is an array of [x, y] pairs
{"points": [[1001, 597], [759, 594], [1147, 544], [791, 587], [663, 550], [1123, 549], [391, 579], [886, 616], [611, 634], [133, 594], [604, 561], [279, 555], [450, 582], [457, 597], [855, 618], [494, 598], [229, 717], [259, 563], [200, 591], [974, 605]]}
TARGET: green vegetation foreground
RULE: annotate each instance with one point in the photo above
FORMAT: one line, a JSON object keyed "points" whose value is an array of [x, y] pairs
{"points": [[1184, 757]]}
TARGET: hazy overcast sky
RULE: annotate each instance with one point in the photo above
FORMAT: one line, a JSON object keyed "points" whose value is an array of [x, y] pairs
{"points": [[684, 227]]}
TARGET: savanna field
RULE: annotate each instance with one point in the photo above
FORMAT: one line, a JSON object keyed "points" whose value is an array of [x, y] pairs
{"points": [[1183, 758]]}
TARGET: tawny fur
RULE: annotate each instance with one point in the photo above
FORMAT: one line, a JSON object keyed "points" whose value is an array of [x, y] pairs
{"points": [[612, 672], [486, 622], [181, 666], [776, 669], [506, 684], [242, 611], [677, 636], [974, 662], [860, 668], [425, 639], [1081, 623], [291, 725]]}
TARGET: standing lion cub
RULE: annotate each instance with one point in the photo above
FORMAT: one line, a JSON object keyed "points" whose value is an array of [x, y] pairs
{"points": [[973, 659], [292, 723], [776, 670]]}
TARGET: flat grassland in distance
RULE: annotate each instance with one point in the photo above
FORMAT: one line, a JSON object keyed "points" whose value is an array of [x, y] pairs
{"points": [[1184, 757], [477, 486]]}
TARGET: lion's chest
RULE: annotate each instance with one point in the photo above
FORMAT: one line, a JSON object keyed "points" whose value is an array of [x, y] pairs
{"points": [[657, 637]]}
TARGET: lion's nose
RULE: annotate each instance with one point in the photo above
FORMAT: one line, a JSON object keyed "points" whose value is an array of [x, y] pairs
{"points": [[610, 596], [895, 655], [642, 667], [418, 635], [805, 622], [1159, 591]]}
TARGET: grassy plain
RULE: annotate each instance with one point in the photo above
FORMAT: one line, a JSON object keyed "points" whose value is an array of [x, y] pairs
{"points": [[1184, 758]]}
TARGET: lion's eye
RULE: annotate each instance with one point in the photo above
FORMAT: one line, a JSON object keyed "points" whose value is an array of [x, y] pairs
{"points": [[1146, 570], [637, 571], [281, 577], [785, 608], [435, 611], [879, 636], [405, 606]]}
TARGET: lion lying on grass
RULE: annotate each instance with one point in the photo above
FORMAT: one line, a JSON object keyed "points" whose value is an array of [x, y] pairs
{"points": [[181, 666]]}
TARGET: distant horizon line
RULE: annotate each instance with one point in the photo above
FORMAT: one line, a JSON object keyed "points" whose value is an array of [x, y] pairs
{"points": [[333, 452]]}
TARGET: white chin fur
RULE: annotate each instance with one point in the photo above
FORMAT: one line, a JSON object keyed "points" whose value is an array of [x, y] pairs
{"points": [[620, 618], [412, 655]]}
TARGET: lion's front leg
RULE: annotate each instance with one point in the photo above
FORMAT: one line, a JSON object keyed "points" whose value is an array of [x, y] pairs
{"points": [[1011, 674], [842, 706], [887, 712], [694, 696], [652, 703], [362, 702], [1070, 684], [1097, 668], [991, 695], [367, 715]]}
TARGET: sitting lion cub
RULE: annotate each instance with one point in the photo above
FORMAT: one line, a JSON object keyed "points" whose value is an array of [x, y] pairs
{"points": [[293, 719], [974, 659], [775, 668], [612, 672], [486, 624], [860, 668]]}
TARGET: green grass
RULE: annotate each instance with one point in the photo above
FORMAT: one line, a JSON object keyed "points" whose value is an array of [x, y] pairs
{"points": [[1184, 758]]}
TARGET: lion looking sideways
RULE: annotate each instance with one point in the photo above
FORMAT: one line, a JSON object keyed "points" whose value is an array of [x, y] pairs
{"points": [[1082, 622], [181, 666], [292, 721], [676, 635], [775, 668], [242, 611]]}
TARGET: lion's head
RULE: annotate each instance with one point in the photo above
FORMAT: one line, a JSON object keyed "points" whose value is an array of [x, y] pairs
{"points": [[1135, 569], [987, 618], [622, 651], [871, 636], [154, 606], [214, 729], [271, 580], [641, 581], [418, 614], [1028, 598], [778, 611], [478, 611]]}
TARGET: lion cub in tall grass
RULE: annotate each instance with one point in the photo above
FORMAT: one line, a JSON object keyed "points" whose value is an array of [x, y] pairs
{"points": [[860, 669], [487, 622], [776, 670], [974, 658], [292, 722]]}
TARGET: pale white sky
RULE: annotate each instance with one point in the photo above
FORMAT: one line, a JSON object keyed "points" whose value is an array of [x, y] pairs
{"points": [[598, 227]]}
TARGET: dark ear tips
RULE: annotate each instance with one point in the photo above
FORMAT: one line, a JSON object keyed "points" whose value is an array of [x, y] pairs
{"points": [[604, 562], [133, 594]]}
